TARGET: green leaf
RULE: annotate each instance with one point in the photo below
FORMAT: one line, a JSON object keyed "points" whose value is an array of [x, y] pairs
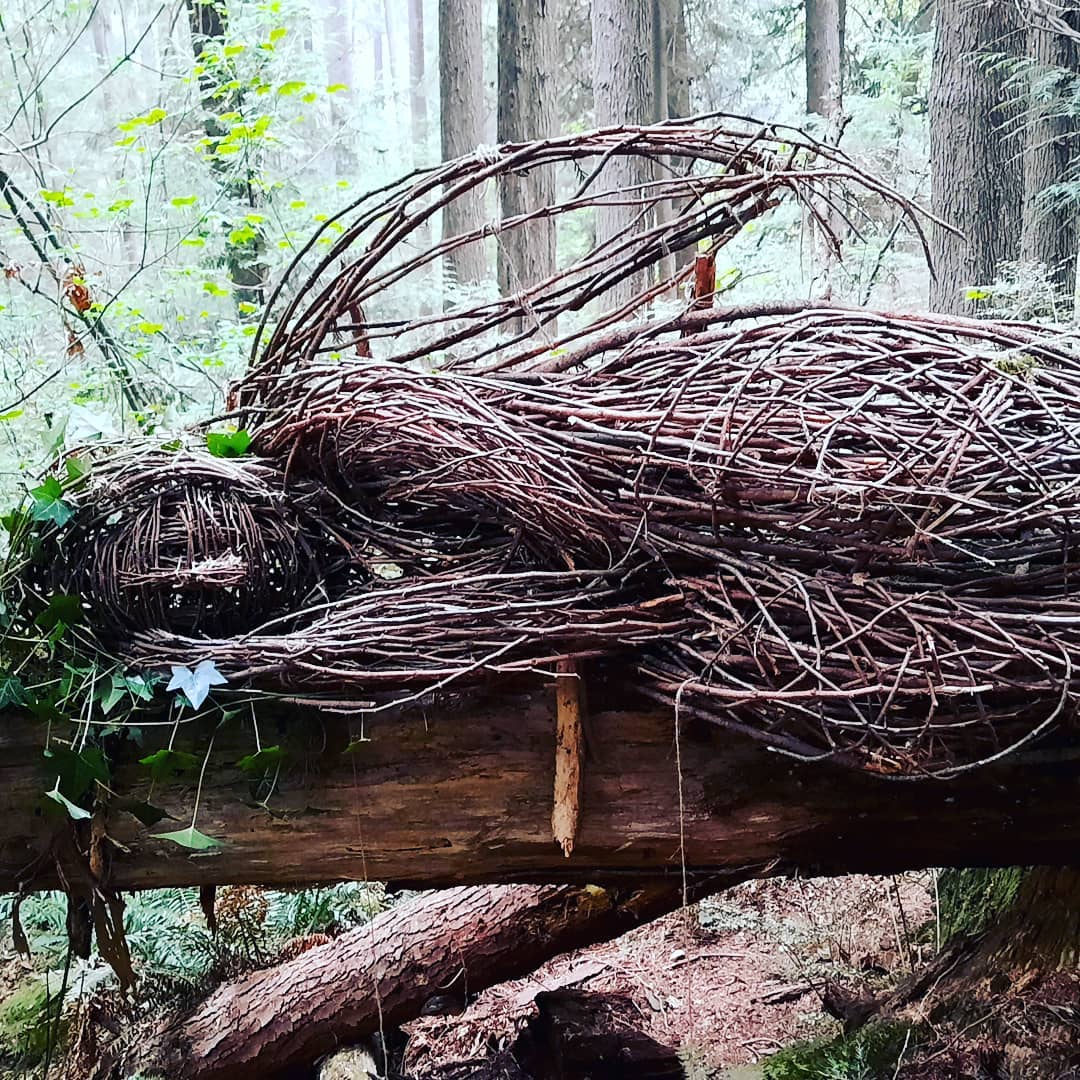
{"points": [[77, 813], [119, 686], [233, 50], [63, 608], [977, 294], [228, 444], [12, 691], [76, 469], [150, 327], [191, 839], [155, 116], [336, 88], [269, 757], [242, 234], [184, 200], [11, 414], [120, 205], [167, 764], [48, 504], [290, 88], [57, 198], [214, 289], [277, 34], [76, 771]]}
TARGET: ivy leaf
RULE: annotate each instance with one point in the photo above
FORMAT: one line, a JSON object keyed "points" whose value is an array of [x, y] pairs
{"points": [[63, 610], [269, 757], [48, 504], [75, 771], [12, 691], [166, 764], [75, 812], [110, 693], [191, 839], [195, 683], [228, 444]]}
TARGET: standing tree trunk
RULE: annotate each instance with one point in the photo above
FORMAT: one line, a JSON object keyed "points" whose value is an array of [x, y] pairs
{"points": [[1049, 233], [622, 91], [526, 94], [825, 58], [677, 57], [461, 90], [418, 117], [243, 257], [825, 98], [976, 175], [339, 72]]}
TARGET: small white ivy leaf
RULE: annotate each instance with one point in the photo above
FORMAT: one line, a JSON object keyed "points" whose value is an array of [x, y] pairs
{"points": [[195, 684]]}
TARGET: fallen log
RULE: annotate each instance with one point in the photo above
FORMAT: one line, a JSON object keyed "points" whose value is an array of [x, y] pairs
{"points": [[379, 976], [445, 797]]}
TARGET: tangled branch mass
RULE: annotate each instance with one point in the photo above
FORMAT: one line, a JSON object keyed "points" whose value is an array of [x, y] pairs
{"points": [[843, 533]]}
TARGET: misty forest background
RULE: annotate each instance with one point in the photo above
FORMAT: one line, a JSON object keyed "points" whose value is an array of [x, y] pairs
{"points": [[161, 164]]}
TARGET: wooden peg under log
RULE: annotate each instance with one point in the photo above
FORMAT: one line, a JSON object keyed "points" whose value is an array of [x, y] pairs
{"points": [[569, 753]]}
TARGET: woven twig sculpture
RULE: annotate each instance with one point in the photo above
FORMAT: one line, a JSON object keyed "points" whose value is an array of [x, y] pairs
{"points": [[844, 533]]}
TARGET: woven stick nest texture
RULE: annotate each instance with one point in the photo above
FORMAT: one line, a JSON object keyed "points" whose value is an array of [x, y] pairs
{"points": [[191, 542], [845, 533]]}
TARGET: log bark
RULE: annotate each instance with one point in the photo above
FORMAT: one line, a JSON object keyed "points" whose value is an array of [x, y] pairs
{"points": [[380, 975], [463, 795]]}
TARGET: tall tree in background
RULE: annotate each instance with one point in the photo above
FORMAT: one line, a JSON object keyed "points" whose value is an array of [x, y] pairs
{"points": [[339, 72], [243, 255], [623, 85], [461, 90], [825, 59], [676, 56], [418, 111], [1049, 229], [526, 110], [976, 173]]}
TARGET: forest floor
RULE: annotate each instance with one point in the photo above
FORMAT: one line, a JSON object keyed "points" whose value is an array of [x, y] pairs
{"points": [[728, 981]]}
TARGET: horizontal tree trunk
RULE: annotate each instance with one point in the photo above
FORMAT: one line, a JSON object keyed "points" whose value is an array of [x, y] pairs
{"points": [[380, 975], [464, 796]]}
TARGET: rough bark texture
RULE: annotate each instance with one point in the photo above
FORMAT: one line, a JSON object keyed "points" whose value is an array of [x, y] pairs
{"points": [[449, 796], [461, 90], [526, 95], [824, 56], [622, 93], [1049, 234], [678, 60], [976, 173], [380, 975]]}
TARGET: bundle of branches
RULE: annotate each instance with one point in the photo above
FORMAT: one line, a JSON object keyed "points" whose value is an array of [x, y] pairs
{"points": [[844, 533], [699, 185]]}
